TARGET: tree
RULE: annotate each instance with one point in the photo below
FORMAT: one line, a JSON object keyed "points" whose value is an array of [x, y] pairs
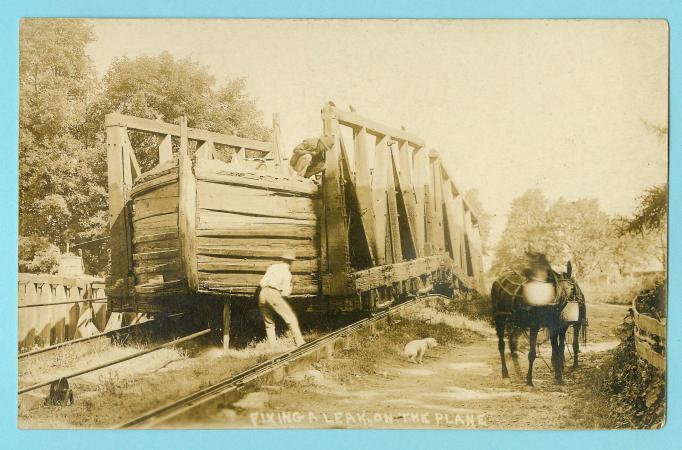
{"points": [[165, 88], [581, 231], [527, 229], [578, 231], [650, 219], [62, 154], [61, 194], [652, 211]]}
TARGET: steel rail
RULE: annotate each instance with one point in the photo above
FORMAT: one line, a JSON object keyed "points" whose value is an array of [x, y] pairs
{"points": [[71, 302], [191, 401], [115, 361], [126, 330]]}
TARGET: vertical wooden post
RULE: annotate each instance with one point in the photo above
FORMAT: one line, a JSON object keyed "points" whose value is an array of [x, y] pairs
{"points": [[393, 243], [419, 162], [478, 256], [120, 229], [467, 242], [379, 197], [276, 145], [205, 150], [187, 209], [403, 160], [437, 205], [363, 188], [453, 228], [336, 262], [227, 317], [166, 149], [32, 297]]}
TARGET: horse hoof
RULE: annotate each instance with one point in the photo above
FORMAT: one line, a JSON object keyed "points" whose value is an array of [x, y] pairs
{"points": [[529, 383], [560, 382]]}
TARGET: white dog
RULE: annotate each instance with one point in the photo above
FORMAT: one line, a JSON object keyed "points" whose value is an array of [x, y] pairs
{"points": [[414, 350]]}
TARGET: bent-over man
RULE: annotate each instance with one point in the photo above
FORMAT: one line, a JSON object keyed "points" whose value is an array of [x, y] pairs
{"points": [[276, 284], [307, 158]]}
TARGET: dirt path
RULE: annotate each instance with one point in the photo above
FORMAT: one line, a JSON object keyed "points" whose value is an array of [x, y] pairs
{"points": [[457, 387]]}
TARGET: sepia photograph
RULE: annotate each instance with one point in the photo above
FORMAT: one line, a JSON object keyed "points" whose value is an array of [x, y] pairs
{"points": [[342, 223]]}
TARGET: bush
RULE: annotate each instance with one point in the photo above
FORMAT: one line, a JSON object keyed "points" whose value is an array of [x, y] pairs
{"points": [[626, 391], [38, 255]]}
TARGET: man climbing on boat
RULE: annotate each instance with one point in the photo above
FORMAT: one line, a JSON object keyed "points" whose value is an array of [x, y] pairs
{"points": [[275, 285], [307, 159]]}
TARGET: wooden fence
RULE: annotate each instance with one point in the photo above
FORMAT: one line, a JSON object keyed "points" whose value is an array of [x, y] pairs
{"points": [[50, 307], [650, 338]]}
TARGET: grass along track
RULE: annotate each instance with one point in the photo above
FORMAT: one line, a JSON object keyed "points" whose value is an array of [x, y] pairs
{"points": [[191, 408]]}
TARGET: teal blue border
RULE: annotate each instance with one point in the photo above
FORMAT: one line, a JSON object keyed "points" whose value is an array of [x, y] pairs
{"points": [[13, 10]]}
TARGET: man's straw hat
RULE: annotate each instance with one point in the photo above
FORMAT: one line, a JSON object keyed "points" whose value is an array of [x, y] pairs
{"points": [[288, 256]]}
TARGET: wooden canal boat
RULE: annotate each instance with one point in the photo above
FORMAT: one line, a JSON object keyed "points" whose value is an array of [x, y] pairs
{"points": [[383, 219]]}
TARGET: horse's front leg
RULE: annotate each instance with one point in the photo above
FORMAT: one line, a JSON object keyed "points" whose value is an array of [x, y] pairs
{"points": [[500, 323], [514, 342], [533, 341], [576, 343], [559, 375]]}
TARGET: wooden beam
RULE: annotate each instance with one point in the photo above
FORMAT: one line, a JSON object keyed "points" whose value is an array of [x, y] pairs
{"points": [[335, 267], [152, 126], [387, 275], [470, 257], [355, 120], [120, 228], [434, 154], [379, 197], [206, 150], [227, 319], [363, 189], [187, 209], [453, 229], [420, 170], [276, 146], [135, 166], [166, 149], [402, 157], [393, 236], [437, 205], [459, 223]]}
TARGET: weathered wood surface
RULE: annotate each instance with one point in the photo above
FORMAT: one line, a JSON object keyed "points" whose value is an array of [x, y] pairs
{"points": [[120, 179], [392, 273], [417, 209], [157, 262], [187, 210], [243, 226], [40, 326], [162, 128], [649, 333]]}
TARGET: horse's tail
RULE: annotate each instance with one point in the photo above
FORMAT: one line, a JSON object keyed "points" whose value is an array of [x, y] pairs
{"points": [[495, 297], [583, 324]]}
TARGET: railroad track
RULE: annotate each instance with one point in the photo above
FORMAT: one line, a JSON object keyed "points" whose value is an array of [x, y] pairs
{"points": [[129, 329], [202, 402], [118, 335]]}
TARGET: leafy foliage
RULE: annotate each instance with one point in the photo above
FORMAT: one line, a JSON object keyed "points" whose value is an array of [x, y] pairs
{"points": [[652, 211], [61, 167], [36, 254], [579, 231], [62, 154], [633, 390]]}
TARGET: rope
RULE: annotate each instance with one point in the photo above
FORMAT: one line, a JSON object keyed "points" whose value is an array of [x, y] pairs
{"points": [[537, 349]]}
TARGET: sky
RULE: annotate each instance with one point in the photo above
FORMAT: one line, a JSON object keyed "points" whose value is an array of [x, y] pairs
{"points": [[567, 106]]}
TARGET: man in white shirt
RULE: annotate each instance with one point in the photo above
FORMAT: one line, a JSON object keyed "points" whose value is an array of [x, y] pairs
{"points": [[276, 284]]}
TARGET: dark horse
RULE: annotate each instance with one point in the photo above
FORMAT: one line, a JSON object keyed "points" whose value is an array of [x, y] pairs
{"points": [[510, 308]]}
